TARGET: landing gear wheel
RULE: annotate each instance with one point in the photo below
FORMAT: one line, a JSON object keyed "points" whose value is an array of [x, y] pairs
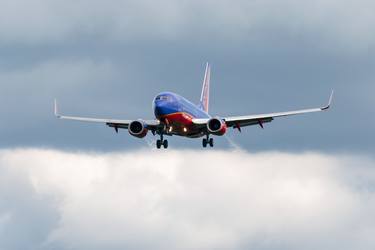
{"points": [[158, 144], [165, 144], [211, 142], [204, 142]]}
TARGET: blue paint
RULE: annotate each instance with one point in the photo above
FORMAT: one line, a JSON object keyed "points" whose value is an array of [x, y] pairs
{"points": [[167, 103]]}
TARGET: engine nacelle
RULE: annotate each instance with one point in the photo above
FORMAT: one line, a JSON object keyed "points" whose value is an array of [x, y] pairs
{"points": [[216, 126], [137, 129]]}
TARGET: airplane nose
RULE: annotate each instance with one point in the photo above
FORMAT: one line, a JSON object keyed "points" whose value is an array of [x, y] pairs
{"points": [[158, 108], [163, 108]]}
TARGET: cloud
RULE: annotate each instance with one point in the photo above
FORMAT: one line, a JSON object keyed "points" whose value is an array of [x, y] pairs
{"points": [[26, 216], [31, 90], [185, 200], [110, 59], [42, 21]]}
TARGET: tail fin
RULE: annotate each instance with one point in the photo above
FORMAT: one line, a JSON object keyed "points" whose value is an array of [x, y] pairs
{"points": [[205, 96]]}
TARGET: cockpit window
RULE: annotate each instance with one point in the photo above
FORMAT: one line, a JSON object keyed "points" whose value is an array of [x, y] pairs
{"points": [[162, 98]]}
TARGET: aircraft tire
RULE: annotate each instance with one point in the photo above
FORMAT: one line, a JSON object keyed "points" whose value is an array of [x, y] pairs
{"points": [[158, 144], [211, 142], [204, 142], [165, 143]]}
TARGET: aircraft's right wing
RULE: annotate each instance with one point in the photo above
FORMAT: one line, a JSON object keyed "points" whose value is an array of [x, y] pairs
{"points": [[114, 123]]}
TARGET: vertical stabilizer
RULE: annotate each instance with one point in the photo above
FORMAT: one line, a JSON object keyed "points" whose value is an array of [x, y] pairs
{"points": [[205, 96]]}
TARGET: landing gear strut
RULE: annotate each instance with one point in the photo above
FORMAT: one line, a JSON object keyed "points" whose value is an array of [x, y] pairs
{"points": [[209, 141], [162, 142]]}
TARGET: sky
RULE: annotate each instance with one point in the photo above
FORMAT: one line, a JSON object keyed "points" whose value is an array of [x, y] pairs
{"points": [[62, 181], [112, 59]]}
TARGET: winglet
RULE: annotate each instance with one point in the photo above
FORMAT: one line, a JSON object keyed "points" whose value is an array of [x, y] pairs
{"points": [[329, 102], [56, 110]]}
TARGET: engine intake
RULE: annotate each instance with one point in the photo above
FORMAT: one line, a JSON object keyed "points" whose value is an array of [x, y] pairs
{"points": [[137, 129], [216, 126]]}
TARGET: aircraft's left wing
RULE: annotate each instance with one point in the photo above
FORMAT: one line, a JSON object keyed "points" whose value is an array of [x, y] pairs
{"points": [[115, 123], [242, 121]]}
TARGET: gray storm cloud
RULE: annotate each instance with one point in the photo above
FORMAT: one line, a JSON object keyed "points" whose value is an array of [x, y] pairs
{"points": [[56, 21], [185, 199]]}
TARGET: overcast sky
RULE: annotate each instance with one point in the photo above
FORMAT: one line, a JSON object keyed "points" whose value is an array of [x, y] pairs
{"points": [[110, 58]]}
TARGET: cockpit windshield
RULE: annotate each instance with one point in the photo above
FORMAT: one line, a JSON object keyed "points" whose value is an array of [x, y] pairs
{"points": [[162, 98]]}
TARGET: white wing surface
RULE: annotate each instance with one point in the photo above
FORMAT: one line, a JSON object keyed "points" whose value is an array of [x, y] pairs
{"points": [[116, 123], [248, 120]]}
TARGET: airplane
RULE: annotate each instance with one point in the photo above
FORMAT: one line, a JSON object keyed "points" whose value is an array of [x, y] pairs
{"points": [[175, 115]]}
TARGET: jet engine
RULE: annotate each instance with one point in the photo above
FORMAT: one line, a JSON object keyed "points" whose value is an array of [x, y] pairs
{"points": [[216, 126], [137, 129]]}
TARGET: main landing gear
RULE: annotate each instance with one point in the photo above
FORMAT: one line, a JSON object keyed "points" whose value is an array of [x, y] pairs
{"points": [[162, 142], [209, 141]]}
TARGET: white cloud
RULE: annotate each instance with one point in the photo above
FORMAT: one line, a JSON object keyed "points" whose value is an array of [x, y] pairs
{"points": [[190, 199]]}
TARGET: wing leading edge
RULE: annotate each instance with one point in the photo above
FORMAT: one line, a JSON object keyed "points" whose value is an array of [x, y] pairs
{"points": [[242, 121], [115, 123]]}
